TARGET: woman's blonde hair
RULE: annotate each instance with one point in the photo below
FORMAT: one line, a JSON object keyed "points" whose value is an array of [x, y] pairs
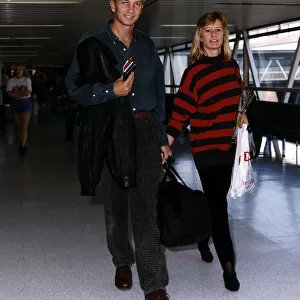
{"points": [[197, 50]]}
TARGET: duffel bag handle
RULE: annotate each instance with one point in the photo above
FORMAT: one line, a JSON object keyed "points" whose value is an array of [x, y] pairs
{"points": [[171, 172]]}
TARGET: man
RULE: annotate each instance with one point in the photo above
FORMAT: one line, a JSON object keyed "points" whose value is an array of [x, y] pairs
{"points": [[145, 88], [3, 83], [39, 81]]}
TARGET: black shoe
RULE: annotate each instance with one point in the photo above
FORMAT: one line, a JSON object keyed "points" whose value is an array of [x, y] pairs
{"points": [[85, 191], [205, 252], [231, 282], [207, 256], [69, 138], [23, 149]]}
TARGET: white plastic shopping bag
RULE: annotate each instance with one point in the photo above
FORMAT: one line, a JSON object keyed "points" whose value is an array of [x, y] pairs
{"points": [[241, 179]]}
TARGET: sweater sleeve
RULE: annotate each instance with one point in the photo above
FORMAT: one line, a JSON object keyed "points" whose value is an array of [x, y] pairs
{"points": [[185, 104]]}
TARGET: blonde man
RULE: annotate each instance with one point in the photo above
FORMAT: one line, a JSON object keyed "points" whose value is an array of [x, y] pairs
{"points": [[145, 89]]}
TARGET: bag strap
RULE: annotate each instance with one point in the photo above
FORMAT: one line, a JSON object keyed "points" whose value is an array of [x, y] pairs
{"points": [[172, 174], [177, 175]]}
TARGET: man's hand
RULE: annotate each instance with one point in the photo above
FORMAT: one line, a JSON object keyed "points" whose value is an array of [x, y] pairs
{"points": [[123, 88], [165, 153]]}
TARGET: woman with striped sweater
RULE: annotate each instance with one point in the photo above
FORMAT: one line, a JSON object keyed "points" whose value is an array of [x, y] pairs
{"points": [[208, 100]]}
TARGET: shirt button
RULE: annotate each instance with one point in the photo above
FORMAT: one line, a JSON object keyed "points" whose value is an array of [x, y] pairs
{"points": [[133, 94], [106, 91], [124, 49], [94, 95], [134, 109]]}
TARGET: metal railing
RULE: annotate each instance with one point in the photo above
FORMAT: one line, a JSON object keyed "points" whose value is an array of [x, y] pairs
{"points": [[271, 89]]}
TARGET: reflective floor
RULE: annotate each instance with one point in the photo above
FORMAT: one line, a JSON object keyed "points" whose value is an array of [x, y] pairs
{"points": [[53, 242]]}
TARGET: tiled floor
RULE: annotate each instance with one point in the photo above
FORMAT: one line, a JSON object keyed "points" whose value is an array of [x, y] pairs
{"points": [[52, 241]]}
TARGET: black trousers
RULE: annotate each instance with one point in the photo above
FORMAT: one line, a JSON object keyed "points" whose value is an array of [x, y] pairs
{"points": [[142, 201], [216, 183], [70, 119]]}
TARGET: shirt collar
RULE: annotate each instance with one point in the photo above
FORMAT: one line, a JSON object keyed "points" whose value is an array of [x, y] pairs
{"points": [[112, 36]]}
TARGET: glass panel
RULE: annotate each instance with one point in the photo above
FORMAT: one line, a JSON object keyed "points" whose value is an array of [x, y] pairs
{"points": [[273, 56], [180, 64], [232, 36], [167, 75], [278, 96], [240, 57], [275, 146], [271, 96], [162, 58], [295, 97]]}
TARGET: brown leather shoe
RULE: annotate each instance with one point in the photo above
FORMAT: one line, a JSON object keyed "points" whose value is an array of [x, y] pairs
{"points": [[157, 295], [123, 278]]}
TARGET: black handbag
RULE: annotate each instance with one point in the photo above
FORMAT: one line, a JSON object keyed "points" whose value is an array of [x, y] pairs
{"points": [[183, 213]]}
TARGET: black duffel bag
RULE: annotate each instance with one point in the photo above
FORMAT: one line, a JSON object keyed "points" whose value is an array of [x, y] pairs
{"points": [[183, 213]]}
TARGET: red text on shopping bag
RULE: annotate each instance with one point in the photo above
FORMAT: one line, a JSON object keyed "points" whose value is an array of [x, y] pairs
{"points": [[246, 157]]}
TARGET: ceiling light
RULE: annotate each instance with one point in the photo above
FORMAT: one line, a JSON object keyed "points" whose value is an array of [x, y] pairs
{"points": [[33, 38], [19, 55], [178, 25], [42, 1], [169, 37], [17, 52], [257, 3], [21, 46], [19, 25], [22, 60], [187, 25], [26, 38]]}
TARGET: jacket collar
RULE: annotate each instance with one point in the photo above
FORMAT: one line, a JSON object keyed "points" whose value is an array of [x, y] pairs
{"points": [[112, 36]]}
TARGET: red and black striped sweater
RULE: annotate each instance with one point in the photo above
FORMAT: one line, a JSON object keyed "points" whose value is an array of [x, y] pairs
{"points": [[207, 100]]}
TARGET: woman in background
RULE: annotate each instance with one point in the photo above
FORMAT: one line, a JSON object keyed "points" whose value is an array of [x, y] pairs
{"points": [[19, 90], [208, 100], [71, 109]]}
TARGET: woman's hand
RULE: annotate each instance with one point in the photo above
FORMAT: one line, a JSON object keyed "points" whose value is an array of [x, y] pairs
{"points": [[244, 119]]}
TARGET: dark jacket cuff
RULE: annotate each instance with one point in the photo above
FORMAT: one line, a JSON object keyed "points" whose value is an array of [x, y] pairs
{"points": [[164, 138], [172, 131], [106, 90]]}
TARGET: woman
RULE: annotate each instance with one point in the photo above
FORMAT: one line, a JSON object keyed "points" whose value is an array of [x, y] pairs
{"points": [[208, 100], [70, 113], [19, 90]]}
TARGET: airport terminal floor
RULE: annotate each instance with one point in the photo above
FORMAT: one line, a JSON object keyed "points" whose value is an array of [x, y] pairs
{"points": [[53, 244]]}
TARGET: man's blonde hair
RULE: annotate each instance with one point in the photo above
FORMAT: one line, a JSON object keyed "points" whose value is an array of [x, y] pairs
{"points": [[119, 0]]}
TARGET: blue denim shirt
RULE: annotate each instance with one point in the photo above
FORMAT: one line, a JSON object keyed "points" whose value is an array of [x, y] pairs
{"points": [[148, 91]]}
